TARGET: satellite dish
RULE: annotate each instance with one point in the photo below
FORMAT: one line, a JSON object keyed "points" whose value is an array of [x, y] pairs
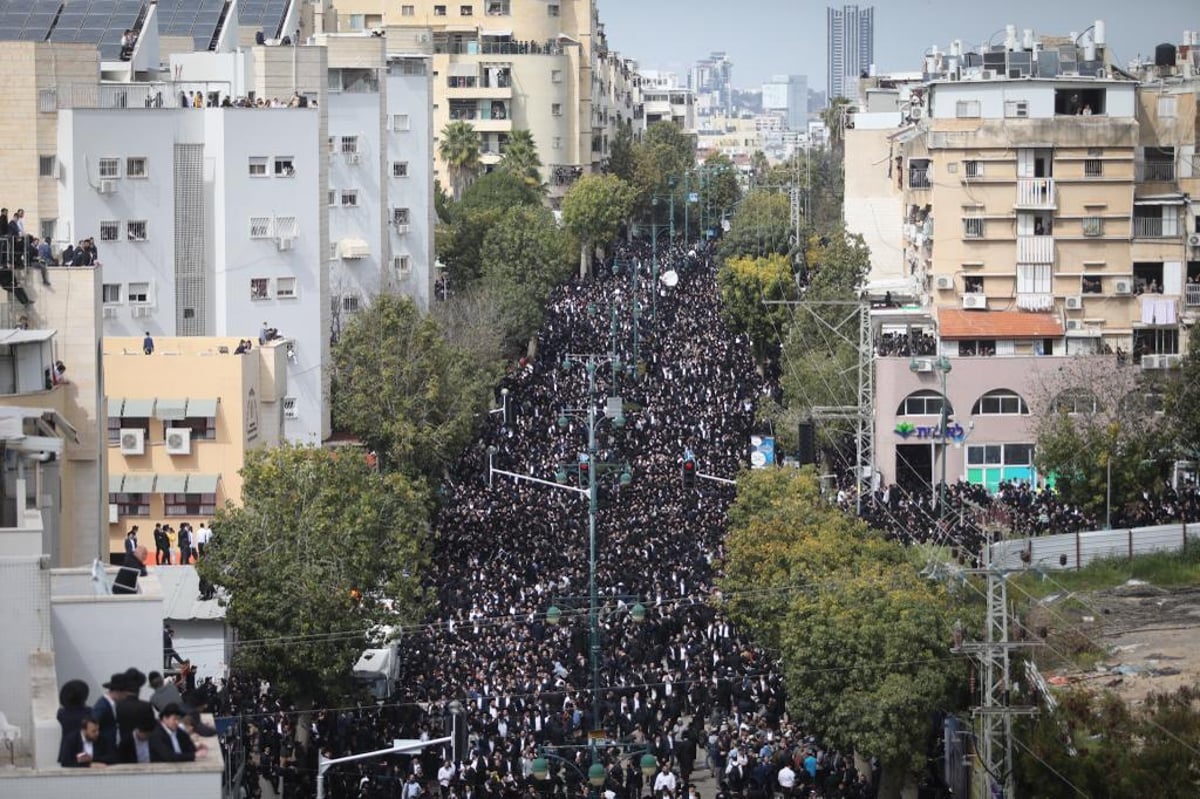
{"points": [[670, 278]]}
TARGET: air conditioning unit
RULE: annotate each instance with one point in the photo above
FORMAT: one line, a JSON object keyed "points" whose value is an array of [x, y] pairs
{"points": [[1194, 240], [114, 513], [1123, 287], [285, 243], [1152, 362], [916, 112], [975, 302], [922, 365], [140, 311], [353, 158], [1074, 324], [1075, 303], [110, 312], [944, 282], [402, 229], [133, 441], [179, 441], [988, 74], [107, 187]]}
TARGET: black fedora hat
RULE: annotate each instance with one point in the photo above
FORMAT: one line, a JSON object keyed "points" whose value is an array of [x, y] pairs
{"points": [[118, 682]]}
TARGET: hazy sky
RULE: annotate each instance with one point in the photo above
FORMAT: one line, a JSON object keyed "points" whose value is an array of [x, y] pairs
{"points": [[769, 37]]}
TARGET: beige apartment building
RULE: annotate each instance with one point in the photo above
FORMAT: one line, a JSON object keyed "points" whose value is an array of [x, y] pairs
{"points": [[1045, 207], [180, 422], [505, 65]]}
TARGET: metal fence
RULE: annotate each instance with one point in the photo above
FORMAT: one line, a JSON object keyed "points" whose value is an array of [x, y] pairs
{"points": [[1076, 550]]}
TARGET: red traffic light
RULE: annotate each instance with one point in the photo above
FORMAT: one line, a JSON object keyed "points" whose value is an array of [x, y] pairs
{"points": [[689, 466]]}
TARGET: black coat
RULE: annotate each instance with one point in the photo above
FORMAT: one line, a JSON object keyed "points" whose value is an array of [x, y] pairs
{"points": [[72, 747]]}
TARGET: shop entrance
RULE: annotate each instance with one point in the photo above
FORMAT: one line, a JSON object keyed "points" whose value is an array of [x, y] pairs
{"points": [[914, 468]]}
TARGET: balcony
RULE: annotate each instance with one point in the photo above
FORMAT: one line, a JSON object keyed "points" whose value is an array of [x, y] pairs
{"points": [[1035, 249], [1191, 295], [1154, 227], [1155, 171], [918, 178], [1035, 193]]}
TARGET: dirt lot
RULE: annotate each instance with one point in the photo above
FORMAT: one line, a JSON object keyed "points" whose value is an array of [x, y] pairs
{"points": [[1152, 638]]}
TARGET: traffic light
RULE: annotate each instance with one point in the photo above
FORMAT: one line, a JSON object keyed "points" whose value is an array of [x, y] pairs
{"points": [[584, 472], [689, 473]]}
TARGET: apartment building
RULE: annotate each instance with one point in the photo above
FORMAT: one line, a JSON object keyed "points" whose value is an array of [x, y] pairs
{"points": [[1044, 199], [505, 65]]}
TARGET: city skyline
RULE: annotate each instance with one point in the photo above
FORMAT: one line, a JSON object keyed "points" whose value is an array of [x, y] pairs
{"points": [[785, 37]]}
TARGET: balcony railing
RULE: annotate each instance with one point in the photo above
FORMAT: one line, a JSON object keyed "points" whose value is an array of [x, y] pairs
{"points": [[1035, 193], [1191, 295], [918, 178], [1035, 249], [1155, 171], [1152, 227]]}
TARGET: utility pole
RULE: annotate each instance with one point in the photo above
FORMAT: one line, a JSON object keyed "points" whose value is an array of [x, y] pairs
{"points": [[994, 715]]}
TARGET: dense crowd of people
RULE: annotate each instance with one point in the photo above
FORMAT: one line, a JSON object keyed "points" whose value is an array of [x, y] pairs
{"points": [[682, 684]]}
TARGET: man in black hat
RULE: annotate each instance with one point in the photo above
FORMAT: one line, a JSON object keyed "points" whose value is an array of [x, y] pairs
{"points": [[170, 745], [131, 711], [133, 567], [105, 709]]}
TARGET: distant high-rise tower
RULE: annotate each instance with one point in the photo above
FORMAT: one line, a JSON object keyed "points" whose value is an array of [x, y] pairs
{"points": [[851, 48]]}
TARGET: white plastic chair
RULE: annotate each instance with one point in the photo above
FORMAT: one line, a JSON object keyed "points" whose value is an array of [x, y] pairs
{"points": [[10, 734]]}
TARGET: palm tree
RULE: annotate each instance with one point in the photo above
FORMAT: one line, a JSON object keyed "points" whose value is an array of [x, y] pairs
{"points": [[459, 148], [521, 158], [834, 117]]}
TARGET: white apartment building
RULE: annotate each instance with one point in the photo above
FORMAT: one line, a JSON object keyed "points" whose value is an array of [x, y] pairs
{"points": [[208, 223]]}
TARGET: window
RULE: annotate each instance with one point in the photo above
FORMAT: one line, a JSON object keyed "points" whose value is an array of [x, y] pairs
{"points": [[1093, 168], [966, 109], [189, 504], [973, 228], [135, 167], [1076, 400], [111, 293], [1093, 226], [135, 230], [465, 11], [399, 122], [403, 266], [285, 287], [118, 423], [349, 198], [408, 11], [556, 109], [202, 428], [498, 7], [556, 143], [972, 169], [139, 293], [130, 504], [552, 10], [350, 303], [260, 227], [400, 217], [1001, 403], [260, 288], [1033, 278], [556, 76], [48, 227], [1016, 109], [357, 22], [284, 166], [349, 144], [291, 409], [333, 251], [973, 284], [439, 11], [923, 403], [1166, 107], [399, 169], [989, 465], [918, 173], [286, 226], [1092, 284], [331, 197], [110, 230], [1079, 101], [47, 166], [110, 168], [258, 167]]}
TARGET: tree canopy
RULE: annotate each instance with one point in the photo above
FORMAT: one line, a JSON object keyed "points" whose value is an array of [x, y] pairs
{"points": [[521, 158], [482, 205], [594, 209], [322, 549], [760, 227], [460, 147], [402, 390], [863, 636], [1183, 401], [746, 283]]}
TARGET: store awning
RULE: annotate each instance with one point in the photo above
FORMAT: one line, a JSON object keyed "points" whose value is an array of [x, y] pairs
{"points": [[137, 408], [138, 483], [1174, 198], [25, 336], [954, 323], [460, 28], [170, 408], [203, 483], [202, 407], [115, 404], [114, 483], [496, 34], [171, 484], [353, 249]]}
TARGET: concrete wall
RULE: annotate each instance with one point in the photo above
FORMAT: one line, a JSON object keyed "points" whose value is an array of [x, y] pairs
{"points": [[204, 643], [413, 95], [25, 596], [873, 201]]}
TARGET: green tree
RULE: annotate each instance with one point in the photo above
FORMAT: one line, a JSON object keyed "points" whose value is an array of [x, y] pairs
{"points": [[525, 255], [521, 158], [620, 153], [719, 187], [746, 283], [1183, 401], [323, 548], [864, 638], [660, 160], [1097, 428], [403, 391], [459, 148], [760, 227], [593, 210], [482, 205], [834, 117]]}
